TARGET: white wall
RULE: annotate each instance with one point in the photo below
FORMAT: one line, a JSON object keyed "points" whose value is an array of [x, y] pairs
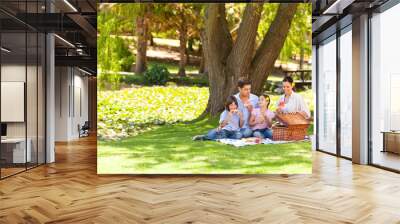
{"points": [[33, 126], [62, 81], [70, 83], [14, 72]]}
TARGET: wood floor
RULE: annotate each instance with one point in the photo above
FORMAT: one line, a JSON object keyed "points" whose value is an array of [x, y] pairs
{"points": [[387, 159], [70, 191]]}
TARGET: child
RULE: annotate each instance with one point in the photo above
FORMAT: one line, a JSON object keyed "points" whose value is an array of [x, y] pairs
{"points": [[230, 122], [261, 118]]}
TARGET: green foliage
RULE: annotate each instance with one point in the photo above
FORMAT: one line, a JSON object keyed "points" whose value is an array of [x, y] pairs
{"points": [[156, 75], [113, 53], [200, 81], [173, 67], [108, 81], [127, 112], [299, 37], [190, 81], [133, 79]]}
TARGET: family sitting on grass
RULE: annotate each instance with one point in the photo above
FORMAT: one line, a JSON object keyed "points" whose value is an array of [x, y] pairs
{"points": [[247, 115]]}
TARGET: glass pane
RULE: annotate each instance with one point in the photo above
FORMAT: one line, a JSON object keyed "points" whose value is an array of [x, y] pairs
{"points": [[32, 96], [13, 86], [346, 93], [327, 96], [41, 99], [385, 85]]}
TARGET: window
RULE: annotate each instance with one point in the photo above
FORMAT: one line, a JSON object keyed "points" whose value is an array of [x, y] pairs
{"points": [[385, 86], [327, 95], [346, 75]]}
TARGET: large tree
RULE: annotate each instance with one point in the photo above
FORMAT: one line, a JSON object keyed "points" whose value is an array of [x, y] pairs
{"points": [[228, 60], [142, 33]]}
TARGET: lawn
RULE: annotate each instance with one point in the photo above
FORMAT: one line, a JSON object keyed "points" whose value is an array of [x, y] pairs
{"points": [[169, 150], [149, 129]]}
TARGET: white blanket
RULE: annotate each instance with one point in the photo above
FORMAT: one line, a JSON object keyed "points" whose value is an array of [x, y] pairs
{"points": [[242, 142]]}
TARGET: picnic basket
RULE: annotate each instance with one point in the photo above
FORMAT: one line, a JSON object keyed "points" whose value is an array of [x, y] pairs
{"points": [[291, 127]]}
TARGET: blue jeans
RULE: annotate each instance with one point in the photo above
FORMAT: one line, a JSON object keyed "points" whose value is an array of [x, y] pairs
{"points": [[215, 134], [246, 132], [263, 133]]}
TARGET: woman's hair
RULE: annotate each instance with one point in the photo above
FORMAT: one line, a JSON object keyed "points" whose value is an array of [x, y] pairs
{"points": [[229, 101], [266, 96], [288, 79]]}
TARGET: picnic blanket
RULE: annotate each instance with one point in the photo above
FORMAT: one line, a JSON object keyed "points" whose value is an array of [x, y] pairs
{"points": [[243, 142]]}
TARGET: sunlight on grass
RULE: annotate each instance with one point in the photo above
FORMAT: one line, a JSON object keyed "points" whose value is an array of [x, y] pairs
{"points": [[169, 149]]}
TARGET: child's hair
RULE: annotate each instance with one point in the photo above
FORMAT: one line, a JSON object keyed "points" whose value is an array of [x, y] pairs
{"points": [[266, 96], [229, 101]]}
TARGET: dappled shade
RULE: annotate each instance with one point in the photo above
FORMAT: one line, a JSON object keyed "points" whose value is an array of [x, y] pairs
{"points": [[169, 149]]}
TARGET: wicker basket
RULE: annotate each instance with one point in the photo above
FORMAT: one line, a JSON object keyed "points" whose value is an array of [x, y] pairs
{"points": [[292, 127]]}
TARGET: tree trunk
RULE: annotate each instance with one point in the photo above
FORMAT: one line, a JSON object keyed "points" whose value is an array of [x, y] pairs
{"points": [[151, 39], [216, 46], [182, 46], [227, 61], [190, 45], [142, 35], [202, 67], [301, 58]]}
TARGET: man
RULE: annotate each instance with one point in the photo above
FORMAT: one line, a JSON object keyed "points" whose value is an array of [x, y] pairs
{"points": [[291, 101], [246, 102]]}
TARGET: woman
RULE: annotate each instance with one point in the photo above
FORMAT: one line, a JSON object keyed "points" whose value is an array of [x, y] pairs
{"points": [[291, 102], [261, 118]]}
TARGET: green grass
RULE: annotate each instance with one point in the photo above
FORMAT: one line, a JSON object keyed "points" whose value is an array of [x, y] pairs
{"points": [[169, 150]]}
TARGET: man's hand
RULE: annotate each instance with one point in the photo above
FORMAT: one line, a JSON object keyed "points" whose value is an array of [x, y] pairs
{"points": [[249, 106], [239, 113]]}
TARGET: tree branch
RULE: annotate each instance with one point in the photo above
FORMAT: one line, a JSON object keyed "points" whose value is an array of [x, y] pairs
{"points": [[271, 46], [216, 30], [242, 52]]}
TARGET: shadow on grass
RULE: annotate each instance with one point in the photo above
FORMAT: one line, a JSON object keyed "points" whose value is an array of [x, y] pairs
{"points": [[169, 149]]}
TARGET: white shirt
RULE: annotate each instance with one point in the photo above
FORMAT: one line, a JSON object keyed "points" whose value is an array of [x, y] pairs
{"points": [[294, 103], [246, 115]]}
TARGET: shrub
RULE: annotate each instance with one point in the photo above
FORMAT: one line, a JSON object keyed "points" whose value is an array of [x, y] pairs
{"points": [[133, 79], [157, 75], [191, 81]]}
